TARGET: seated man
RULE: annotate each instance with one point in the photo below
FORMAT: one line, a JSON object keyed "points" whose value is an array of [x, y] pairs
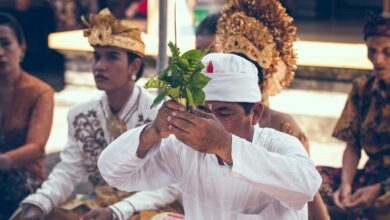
{"points": [[228, 167]]}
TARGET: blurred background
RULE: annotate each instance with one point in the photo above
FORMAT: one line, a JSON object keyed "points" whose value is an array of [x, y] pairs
{"points": [[331, 52]]}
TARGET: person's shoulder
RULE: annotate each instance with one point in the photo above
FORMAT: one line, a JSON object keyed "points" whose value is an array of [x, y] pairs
{"points": [[282, 119], [34, 85], [361, 82], [269, 135], [281, 116]]}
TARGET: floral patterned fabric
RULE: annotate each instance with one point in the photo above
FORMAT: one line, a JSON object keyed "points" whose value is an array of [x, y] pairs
{"points": [[88, 136], [365, 124]]}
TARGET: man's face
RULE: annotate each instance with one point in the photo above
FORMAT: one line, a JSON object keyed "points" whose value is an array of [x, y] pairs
{"points": [[379, 54], [111, 68], [204, 41], [233, 118]]}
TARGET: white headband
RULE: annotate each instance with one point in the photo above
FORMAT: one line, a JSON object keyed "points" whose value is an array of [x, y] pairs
{"points": [[233, 79]]}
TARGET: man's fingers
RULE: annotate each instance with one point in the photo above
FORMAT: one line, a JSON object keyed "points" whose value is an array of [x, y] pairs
{"points": [[201, 113], [190, 118], [336, 200], [355, 203], [179, 123], [187, 139], [174, 106], [357, 200], [181, 135], [357, 195]]}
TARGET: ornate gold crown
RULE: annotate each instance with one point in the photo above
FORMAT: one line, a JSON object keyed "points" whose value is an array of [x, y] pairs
{"points": [[261, 30], [105, 30]]}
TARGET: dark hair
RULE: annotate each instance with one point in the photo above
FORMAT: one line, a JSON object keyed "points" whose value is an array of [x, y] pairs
{"points": [[376, 25], [208, 25], [10, 21], [259, 69], [247, 107], [132, 56]]}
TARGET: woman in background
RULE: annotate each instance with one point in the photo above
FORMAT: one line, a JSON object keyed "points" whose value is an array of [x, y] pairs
{"points": [[25, 120], [364, 124]]}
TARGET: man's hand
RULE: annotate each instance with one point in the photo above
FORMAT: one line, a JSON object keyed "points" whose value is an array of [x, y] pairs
{"points": [[342, 195], [364, 197], [31, 212], [202, 131], [5, 162], [160, 128], [98, 214], [161, 124]]}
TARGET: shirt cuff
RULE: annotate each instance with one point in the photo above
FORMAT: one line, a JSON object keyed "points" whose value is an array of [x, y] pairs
{"points": [[40, 200], [123, 209]]}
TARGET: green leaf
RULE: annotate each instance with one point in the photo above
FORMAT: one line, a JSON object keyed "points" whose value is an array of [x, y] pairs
{"points": [[193, 54], [174, 92], [164, 75], [159, 98], [199, 97], [182, 79], [199, 80], [174, 50], [189, 98], [183, 63], [156, 83]]}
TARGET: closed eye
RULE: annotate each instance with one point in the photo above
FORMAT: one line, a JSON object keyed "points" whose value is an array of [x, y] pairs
{"points": [[223, 112], [4, 43]]}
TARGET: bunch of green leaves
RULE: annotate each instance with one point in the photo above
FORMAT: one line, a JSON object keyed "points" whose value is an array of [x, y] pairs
{"points": [[182, 79]]}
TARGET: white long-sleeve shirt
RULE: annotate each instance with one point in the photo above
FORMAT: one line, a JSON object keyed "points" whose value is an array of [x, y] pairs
{"points": [[87, 137], [271, 178]]}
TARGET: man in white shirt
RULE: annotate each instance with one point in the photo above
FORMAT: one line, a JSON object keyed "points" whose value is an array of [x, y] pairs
{"points": [[228, 167]]}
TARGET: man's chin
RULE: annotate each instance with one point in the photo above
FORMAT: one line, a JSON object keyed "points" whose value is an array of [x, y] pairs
{"points": [[383, 76], [101, 87]]}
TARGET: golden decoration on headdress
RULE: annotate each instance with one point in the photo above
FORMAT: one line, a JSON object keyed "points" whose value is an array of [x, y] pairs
{"points": [[261, 30], [104, 29]]}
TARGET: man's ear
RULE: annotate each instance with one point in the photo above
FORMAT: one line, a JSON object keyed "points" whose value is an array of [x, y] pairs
{"points": [[257, 112], [134, 66]]}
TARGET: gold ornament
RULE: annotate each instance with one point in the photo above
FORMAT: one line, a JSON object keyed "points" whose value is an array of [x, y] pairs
{"points": [[261, 30], [105, 30], [116, 126]]}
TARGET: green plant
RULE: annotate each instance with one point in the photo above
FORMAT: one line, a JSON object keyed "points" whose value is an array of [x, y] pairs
{"points": [[182, 79]]}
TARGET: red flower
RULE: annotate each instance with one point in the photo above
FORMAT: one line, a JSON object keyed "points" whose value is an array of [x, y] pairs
{"points": [[210, 68]]}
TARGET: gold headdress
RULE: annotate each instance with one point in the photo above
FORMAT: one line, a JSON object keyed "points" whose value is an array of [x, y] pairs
{"points": [[105, 30], [261, 30]]}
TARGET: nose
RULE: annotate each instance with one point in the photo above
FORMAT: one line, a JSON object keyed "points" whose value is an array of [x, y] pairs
{"points": [[1, 51], [378, 58], [100, 65]]}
